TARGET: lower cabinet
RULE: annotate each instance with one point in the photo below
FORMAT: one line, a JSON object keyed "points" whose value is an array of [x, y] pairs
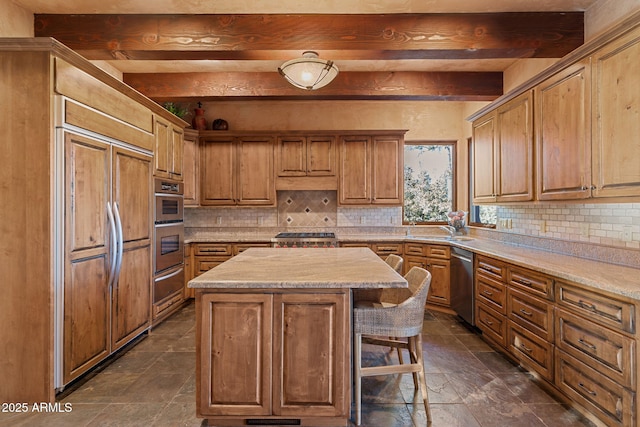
{"points": [[435, 259], [269, 355], [580, 341]]}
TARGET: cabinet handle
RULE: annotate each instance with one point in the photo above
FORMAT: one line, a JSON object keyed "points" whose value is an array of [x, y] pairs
{"points": [[523, 282], [583, 188], [486, 292], [213, 250], [593, 187], [489, 322], [591, 392], [587, 344], [525, 312], [525, 348], [587, 305]]}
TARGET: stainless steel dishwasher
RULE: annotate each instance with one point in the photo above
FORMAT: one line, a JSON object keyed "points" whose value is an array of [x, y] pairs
{"points": [[462, 284]]}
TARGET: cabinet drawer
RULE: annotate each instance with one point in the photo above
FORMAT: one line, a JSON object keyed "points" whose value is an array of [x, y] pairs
{"points": [[490, 268], [492, 293], [203, 264], [414, 249], [383, 249], [611, 402], [534, 314], [492, 324], [602, 309], [604, 350], [533, 351], [241, 247], [529, 281], [354, 245], [434, 251], [217, 249]]}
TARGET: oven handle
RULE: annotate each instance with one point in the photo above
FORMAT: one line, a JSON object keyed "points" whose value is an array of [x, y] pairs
{"points": [[114, 244], [120, 239], [175, 273]]}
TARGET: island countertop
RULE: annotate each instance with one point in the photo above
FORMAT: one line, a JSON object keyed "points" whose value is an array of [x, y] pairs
{"points": [[293, 268]]}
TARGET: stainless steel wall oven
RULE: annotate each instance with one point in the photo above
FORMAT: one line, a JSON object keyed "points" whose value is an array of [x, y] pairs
{"points": [[169, 245]]}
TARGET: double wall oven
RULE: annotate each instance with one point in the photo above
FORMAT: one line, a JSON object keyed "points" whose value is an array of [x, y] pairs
{"points": [[169, 246]]}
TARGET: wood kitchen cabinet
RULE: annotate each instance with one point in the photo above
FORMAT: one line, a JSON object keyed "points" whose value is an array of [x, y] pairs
{"points": [[168, 151], [270, 341], [563, 130], [88, 145], [596, 360], [436, 260], [616, 114], [312, 155], [503, 153], [191, 168], [237, 170], [371, 169]]}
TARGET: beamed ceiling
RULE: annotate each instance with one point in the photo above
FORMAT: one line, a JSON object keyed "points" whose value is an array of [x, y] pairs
{"points": [[407, 56]]}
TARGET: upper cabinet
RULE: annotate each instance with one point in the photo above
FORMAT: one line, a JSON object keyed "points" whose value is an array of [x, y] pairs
{"points": [[237, 170], [313, 155], [191, 167], [370, 169], [616, 118], [503, 153], [563, 134], [586, 116], [168, 150]]}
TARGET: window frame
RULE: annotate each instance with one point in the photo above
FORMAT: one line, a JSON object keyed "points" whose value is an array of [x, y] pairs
{"points": [[454, 177]]}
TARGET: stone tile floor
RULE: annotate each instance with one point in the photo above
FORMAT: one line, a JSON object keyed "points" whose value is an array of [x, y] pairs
{"points": [[470, 385]]}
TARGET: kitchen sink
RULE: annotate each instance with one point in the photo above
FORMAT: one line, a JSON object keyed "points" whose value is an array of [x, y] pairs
{"points": [[459, 238]]}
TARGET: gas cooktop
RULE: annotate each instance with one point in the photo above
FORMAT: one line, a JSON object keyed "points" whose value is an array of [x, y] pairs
{"points": [[305, 235]]}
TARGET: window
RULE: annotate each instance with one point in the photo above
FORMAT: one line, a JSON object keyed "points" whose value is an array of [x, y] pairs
{"points": [[479, 215], [429, 181]]}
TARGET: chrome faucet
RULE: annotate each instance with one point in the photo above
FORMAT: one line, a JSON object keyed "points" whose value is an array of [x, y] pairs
{"points": [[449, 229], [411, 225]]}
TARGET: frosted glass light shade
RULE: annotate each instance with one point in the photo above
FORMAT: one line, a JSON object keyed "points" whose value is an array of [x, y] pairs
{"points": [[309, 72]]}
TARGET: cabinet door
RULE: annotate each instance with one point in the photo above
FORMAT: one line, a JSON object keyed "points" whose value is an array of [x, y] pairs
{"points": [[87, 254], [354, 183], [311, 352], [514, 180], [217, 183], [387, 173], [484, 159], [235, 354], [191, 168], [439, 291], [256, 184], [177, 150], [162, 151], [563, 104], [321, 155], [616, 98], [131, 293], [292, 156]]}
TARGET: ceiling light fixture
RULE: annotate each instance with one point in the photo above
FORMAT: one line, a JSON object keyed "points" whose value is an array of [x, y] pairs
{"points": [[309, 72]]}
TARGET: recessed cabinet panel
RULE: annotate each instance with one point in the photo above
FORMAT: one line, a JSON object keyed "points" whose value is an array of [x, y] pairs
{"points": [[484, 159], [563, 120], [616, 98], [217, 165], [355, 185], [321, 155], [292, 156], [515, 153]]}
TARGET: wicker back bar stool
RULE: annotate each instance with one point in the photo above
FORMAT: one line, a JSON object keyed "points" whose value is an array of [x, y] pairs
{"points": [[374, 322], [396, 262]]}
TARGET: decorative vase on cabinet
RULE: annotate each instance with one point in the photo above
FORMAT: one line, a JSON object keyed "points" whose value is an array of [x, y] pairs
{"points": [[199, 122]]}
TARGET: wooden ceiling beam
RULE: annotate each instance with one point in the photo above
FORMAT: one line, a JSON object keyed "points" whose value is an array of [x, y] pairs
{"points": [[397, 36], [418, 86]]}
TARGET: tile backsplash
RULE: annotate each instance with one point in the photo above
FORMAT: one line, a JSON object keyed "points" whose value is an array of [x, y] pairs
{"points": [[308, 209], [614, 224]]}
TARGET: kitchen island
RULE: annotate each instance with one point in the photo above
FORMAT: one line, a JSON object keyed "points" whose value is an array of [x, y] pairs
{"points": [[273, 334]]}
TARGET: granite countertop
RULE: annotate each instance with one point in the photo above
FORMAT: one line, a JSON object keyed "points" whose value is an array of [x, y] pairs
{"points": [[613, 278], [286, 268]]}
